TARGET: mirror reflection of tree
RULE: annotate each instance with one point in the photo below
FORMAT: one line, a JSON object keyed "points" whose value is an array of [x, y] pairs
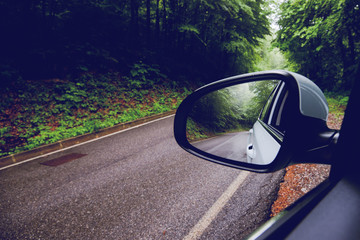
{"points": [[261, 91], [232, 109]]}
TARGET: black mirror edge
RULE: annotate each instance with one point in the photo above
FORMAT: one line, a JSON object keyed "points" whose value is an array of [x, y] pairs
{"points": [[287, 154]]}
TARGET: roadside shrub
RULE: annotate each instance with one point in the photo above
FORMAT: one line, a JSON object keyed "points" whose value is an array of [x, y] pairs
{"points": [[144, 76], [43, 112]]}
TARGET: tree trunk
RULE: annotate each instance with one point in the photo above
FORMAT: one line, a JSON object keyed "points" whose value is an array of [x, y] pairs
{"points": [[148, 27], [134, 22], [164, 25], [157, 24]]}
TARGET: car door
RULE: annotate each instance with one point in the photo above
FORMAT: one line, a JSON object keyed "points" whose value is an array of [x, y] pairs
{"points": [[268, 130]]}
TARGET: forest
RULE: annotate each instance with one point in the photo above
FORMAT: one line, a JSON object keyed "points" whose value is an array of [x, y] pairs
{"points": [[200, 40], [196, 40], [322, 40], [73, 67]]}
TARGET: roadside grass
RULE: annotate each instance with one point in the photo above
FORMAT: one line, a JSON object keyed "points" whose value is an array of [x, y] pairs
{"points": [[196, 132], [42, 112], [337, 104]]}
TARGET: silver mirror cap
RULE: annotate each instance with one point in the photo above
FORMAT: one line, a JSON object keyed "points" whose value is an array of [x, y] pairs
{"points": [[312, 100]]}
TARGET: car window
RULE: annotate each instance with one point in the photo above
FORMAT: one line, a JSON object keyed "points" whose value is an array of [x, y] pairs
{"points": [[272, 112], [276, 118], [265, 112]]}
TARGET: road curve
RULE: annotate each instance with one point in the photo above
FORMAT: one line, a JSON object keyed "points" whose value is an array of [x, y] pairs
{"points": [[137, 184]]}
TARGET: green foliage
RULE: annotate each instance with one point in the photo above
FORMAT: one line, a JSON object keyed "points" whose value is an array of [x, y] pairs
{"points": [[323, 39], [189, 28], [234, 108], [337, 102], [144, 76], [270, 57], [215, 111], [190, 39], [4, 131], [195, 131], [49, 111], [77, 46], [262, 91]]}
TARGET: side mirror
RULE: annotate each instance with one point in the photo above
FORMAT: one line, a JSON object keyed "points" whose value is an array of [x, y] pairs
{"points": [[259, 122]]}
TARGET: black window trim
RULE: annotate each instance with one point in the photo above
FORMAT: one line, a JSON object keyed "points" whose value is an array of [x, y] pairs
{"points": [[276, 134]]}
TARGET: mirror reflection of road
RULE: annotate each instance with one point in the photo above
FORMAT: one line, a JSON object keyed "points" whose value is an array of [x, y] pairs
{"points": [[229, 145]]}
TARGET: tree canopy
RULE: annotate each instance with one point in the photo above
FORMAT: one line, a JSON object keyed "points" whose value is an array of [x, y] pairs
{"points": [[323, 38], [194, 39]]}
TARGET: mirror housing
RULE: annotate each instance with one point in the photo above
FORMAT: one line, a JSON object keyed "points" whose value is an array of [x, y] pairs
{"points": [[307, 138]]}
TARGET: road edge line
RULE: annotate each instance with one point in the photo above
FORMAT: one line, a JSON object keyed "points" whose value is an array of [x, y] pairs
{"points": [[215, 209]]}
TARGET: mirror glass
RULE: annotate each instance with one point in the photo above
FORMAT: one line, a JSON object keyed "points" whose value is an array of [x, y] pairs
{"points": [[235, 122]]}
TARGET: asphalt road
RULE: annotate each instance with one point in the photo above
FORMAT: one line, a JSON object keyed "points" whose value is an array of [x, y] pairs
{"points": [[230, 145], [138, 184]]}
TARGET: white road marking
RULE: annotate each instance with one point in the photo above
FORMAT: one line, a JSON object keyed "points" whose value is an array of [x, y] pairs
{"points": [[76, 145], [215, 209]]}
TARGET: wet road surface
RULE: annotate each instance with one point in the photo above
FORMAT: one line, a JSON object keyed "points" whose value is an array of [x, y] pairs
{"points": [[137, 184]]}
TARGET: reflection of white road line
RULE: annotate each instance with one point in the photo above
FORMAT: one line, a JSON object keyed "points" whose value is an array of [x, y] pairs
{"points": [[215, 209]]}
